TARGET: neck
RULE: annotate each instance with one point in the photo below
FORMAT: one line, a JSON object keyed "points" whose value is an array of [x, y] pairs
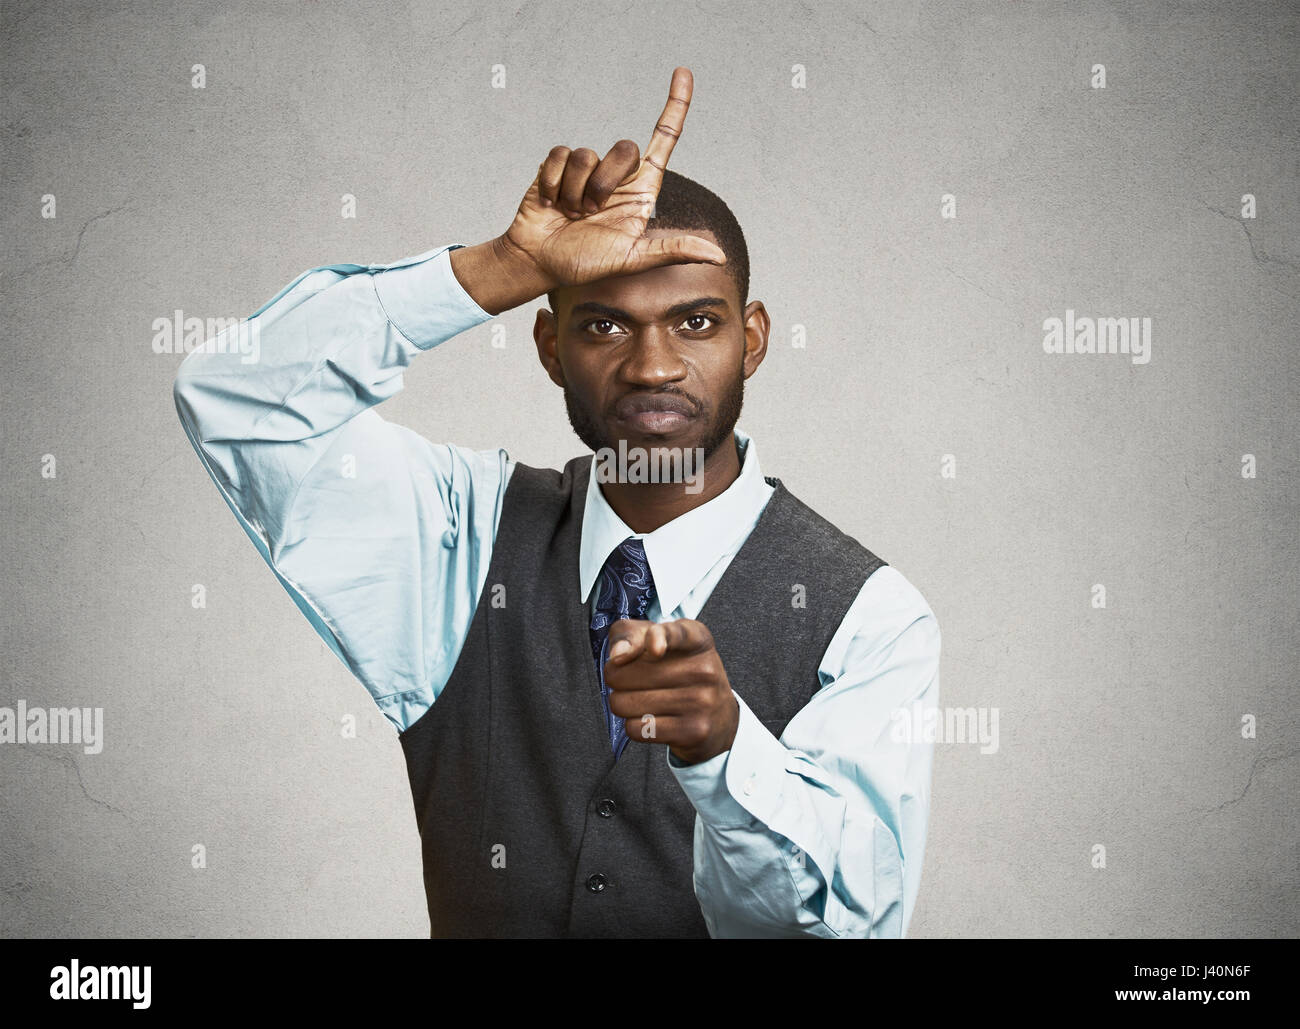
{"points": [[645, 506]]}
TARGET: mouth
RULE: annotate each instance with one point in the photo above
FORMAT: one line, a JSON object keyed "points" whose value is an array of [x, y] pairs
{"points": [[653, 413]]}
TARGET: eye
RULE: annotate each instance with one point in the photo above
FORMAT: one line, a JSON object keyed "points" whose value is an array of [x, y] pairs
{"points": [[706, 317], [591, 326]]}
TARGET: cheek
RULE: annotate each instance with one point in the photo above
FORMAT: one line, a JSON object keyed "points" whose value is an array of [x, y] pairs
{"points": [[588, 381], [718, 373]]}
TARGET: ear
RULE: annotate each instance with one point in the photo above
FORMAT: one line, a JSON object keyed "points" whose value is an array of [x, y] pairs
{"points": [[546, 336], [757, 326]]}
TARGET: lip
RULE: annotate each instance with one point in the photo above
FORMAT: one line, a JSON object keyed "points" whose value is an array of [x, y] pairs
{"points": [[656, 421], [654, 413]]}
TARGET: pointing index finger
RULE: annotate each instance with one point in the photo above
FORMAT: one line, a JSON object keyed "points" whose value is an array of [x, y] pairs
{"points": [[630, 639], [669, 127]]}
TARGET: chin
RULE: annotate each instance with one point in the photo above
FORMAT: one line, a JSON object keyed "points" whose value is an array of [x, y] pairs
{"points": [[688, 437]]}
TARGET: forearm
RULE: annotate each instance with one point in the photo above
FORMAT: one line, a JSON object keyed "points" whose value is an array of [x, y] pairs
{"points": [[822, 832], [329, 348], [781, 851], [751, 882]]}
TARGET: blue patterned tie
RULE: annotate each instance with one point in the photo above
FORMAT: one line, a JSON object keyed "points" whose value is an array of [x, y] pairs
{"points": [[624, 590]]}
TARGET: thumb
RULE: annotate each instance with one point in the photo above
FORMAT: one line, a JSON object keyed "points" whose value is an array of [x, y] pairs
{"points": [[662, 250]]}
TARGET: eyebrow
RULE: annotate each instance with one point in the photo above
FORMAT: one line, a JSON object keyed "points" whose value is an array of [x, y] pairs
{"points": [[591, 307]]}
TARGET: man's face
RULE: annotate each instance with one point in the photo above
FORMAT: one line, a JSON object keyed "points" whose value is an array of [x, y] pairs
{"points": [[658, 358]]}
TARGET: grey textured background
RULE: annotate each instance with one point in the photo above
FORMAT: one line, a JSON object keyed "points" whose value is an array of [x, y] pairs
{"points": [[1118, 726]]}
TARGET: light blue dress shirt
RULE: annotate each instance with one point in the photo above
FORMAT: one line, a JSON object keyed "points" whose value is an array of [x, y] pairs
{"points": [[383, 540]]}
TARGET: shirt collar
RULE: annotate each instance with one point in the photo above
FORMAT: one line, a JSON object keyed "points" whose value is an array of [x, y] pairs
{"points": [[682, 551]]}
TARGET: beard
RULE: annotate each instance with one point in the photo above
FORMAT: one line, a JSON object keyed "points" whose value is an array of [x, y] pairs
{"points": [[718, 429]]}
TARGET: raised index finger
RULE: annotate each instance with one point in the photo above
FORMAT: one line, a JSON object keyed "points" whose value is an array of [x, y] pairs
{"points": [[669, 128]]}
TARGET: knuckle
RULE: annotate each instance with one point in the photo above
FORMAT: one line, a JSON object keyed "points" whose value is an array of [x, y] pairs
{"points": [[696, 698], [699, 672]]}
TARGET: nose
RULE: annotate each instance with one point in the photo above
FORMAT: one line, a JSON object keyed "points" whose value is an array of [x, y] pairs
{"points": [[653, 360]]}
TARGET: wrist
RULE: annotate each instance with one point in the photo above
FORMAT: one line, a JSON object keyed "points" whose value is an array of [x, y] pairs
{"points": [[722, 742], [498, 275], [424, 300]]}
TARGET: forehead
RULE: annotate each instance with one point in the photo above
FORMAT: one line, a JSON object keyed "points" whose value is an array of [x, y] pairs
{"points": [[649, 295]]}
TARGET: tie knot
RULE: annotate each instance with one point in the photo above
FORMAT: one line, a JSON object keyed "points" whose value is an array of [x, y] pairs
{"points": [[626, 585], [629, 553]]}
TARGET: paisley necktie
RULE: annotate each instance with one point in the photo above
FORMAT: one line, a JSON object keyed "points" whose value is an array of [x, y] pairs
{"points": [[624, 589]]}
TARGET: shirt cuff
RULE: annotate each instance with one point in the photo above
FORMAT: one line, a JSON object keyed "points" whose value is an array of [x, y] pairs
{"points": [[730, 788], [424, 300]]}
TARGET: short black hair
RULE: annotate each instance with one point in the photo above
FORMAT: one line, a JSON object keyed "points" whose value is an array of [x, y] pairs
{"points": [[686, 206]]}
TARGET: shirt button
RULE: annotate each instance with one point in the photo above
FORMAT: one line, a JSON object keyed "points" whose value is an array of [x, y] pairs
{"points": [[606, 808], [749, 786], [597, 882]]}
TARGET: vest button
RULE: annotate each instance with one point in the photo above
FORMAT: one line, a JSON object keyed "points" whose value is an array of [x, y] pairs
{"points": [[596, 882], [606, 808]]}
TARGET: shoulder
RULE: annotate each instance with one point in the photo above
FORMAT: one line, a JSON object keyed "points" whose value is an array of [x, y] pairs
{"points": [[889, 608], [811, 532], [540, 483], [888, 618], [889, 638]]}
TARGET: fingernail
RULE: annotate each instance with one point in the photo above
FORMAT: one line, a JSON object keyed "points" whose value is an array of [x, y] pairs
{"points": [[591, 206], [620, 648]]}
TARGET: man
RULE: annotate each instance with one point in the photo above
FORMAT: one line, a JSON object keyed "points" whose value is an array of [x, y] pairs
{"points": [[630, 704]]}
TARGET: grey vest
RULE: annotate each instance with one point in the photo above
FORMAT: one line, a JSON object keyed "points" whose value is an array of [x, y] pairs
{"points": [[528, 826]]}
